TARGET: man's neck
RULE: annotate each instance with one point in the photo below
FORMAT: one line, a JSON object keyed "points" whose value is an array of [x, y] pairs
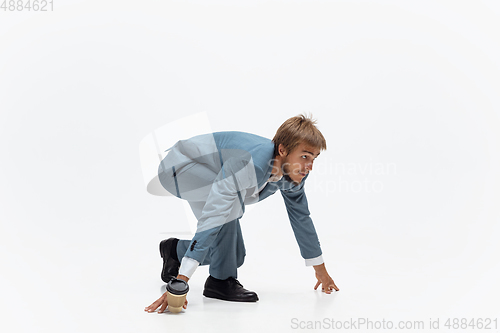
{"points": [[276, 171]]}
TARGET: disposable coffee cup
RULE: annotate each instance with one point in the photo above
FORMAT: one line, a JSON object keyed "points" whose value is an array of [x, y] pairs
{"points": [[176, 294]]}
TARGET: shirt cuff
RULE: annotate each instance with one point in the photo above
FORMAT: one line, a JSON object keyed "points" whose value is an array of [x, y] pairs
{"points": [[314, 261], [188, 266]]}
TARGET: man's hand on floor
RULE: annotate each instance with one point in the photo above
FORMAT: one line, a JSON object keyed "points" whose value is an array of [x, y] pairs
{"points": [[163, 300], [324, 279]]}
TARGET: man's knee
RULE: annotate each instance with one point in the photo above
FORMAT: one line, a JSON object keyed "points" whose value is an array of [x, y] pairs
{"points": [[166, 175]]}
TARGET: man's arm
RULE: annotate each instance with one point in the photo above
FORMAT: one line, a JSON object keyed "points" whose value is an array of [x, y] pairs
{"points": [[302, 224], [305, 234]]}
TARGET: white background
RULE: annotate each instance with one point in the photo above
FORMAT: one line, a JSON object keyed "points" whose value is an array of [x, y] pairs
{"points": [[411, 87]]}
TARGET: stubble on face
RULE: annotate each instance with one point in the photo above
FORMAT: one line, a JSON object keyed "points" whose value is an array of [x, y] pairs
{"points": [[286, 172]]}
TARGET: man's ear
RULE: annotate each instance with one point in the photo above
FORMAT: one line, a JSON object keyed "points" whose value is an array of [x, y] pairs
{"points": [[282, 150]]}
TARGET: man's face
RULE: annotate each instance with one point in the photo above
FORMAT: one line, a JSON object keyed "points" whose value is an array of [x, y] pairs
{"points": [[299, 163]]}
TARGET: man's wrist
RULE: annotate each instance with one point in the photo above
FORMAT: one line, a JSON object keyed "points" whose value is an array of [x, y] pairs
{"points": [[183, 277], [319, 268]]}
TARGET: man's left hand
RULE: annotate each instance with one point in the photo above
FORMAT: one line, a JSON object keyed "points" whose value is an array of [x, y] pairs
{"points": [[324, 279]]}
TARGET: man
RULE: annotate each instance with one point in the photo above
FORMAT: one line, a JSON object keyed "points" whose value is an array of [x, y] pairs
{"points": [[220, 173]]}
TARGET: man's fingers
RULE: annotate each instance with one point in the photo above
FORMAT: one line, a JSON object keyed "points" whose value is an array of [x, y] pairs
{"points": [[331, 286], [327, 290], [163, 306], [317, 285], [155, 305], [163, 302], [152, 307]]}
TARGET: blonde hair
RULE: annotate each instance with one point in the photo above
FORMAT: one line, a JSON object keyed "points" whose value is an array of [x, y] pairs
{"points": [[297, 130]]}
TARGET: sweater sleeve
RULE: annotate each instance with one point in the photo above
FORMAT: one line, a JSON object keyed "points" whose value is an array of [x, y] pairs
{"points": [[302, 224]]}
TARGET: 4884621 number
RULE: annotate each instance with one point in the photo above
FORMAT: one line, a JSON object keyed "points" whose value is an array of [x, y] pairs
{"points": [[27, 5], [473, 323]]}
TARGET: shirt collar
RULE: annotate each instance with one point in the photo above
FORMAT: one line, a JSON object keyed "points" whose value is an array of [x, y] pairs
{"points": [[274, 178]]}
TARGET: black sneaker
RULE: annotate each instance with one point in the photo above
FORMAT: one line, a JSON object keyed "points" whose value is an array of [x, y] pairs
{"points": [[228, 290], [168, 251]]}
